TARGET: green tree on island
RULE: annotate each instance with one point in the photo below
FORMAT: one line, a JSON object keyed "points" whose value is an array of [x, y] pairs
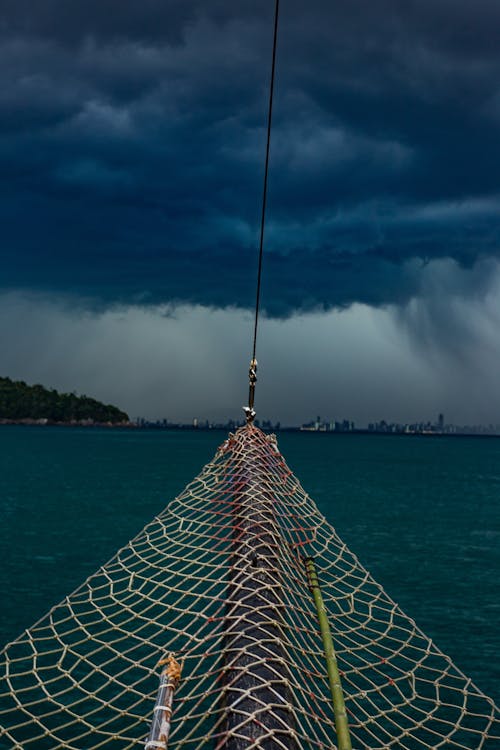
{"points": [[21, 401]]}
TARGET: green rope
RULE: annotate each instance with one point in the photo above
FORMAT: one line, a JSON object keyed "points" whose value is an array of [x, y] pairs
{"points": [[341, 724]]}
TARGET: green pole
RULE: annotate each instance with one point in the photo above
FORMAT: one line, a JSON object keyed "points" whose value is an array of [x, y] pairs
{"points": [[341, 724]]}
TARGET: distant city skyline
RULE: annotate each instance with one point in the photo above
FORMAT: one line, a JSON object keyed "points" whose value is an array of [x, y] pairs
{"points": [[332, 426]]}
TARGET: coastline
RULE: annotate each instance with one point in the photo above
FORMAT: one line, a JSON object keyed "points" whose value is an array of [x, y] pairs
{"points": [[229, 427], [27, 422]]}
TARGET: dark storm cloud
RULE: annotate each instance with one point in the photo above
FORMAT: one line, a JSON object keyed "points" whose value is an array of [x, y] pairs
{"points": [[132, 137]]}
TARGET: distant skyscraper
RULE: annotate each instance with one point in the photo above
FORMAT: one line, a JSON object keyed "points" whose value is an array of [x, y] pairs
{"points": [[441, 422]]}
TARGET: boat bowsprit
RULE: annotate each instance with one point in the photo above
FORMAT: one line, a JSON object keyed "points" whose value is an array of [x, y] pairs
{"points": [[280, 636]]}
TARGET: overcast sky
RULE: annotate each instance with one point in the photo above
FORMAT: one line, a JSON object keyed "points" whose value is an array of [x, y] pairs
{"points": [[132, 140]]}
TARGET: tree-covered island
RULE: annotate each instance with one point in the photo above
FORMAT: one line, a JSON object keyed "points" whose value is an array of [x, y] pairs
{"points": [[20, 402]]}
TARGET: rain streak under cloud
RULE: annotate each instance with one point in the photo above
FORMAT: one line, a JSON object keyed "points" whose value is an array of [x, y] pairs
{"points": [[132, 155]]}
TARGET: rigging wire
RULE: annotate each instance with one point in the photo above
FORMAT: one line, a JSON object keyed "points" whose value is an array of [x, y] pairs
{"points": [[249, 410]]}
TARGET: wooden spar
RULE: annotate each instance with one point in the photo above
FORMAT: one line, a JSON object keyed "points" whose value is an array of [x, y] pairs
{"points": [[257, 696], [160, 726]]}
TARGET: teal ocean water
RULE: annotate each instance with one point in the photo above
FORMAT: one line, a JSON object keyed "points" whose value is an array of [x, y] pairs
{"points": [[423, 514]]}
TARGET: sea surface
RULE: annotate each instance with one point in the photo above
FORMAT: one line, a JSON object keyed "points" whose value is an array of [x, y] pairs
{"points": [[422, 514]]}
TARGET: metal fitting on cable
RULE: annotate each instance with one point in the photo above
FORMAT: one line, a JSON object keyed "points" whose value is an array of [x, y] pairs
{"points": [[252, 377]]}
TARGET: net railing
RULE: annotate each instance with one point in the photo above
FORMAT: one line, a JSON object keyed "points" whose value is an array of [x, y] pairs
{"points": [[219, 581]]}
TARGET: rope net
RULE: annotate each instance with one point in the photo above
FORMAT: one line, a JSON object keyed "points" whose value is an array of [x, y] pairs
{"points": [[218, 580]]}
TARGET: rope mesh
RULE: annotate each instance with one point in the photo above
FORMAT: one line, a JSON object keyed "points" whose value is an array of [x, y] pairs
{"points": [[219, 580]]}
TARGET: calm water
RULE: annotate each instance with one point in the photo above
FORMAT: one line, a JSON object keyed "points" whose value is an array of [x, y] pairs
{"points": [[423, 515]]}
